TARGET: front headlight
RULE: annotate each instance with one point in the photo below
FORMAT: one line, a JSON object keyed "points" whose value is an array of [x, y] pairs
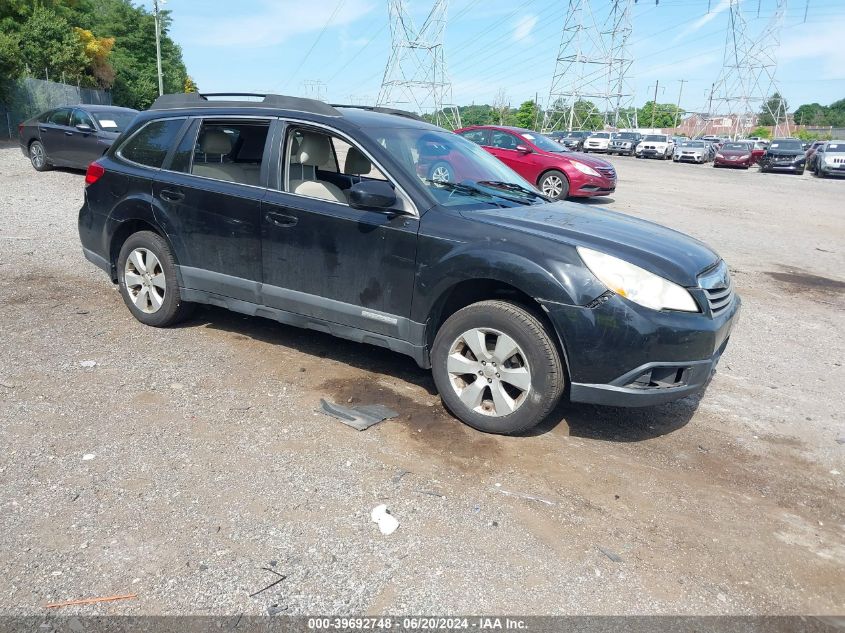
{"points": [[636, 284], [584, 169], [718, 155], [745, 157]]}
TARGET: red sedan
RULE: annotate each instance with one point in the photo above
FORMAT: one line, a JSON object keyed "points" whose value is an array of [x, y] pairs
{"points": [[556, 171], [736, 155]]}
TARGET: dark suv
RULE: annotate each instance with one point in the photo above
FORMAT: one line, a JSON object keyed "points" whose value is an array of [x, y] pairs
{"points": [[325, 217]]}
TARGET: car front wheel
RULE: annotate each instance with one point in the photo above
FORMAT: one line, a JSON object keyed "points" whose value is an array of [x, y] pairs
{"points": [[555, 185], [441, 171], [38, 156], [146, 274], [497, 367]]}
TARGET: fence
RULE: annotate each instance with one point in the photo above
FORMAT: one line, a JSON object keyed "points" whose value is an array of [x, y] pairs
{"points": [[21, 99]]}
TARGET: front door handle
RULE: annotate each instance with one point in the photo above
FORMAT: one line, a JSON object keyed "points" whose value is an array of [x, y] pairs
{"points": [[171, 195], [280, 219]]}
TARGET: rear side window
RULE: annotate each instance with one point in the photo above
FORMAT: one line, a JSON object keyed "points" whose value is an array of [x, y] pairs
{"points": [[227, 150], [150, 145], [60, 117]]}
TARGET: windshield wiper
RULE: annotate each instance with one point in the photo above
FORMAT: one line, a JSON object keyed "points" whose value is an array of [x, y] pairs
{"points": [[468, 190], [512, 186]]}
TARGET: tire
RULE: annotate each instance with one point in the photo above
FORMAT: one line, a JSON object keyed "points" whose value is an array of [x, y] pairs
{"points": [[555, 181], [441, 171], [536, 354], [38, 157], [148, 300]]}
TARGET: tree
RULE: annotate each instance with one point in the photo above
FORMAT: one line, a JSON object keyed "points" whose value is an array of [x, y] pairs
{"points": [[97, 51], [190, 85], [775, 106], [527, 114], [761, 132], [501, 106], [49, 47], [663, 115]]}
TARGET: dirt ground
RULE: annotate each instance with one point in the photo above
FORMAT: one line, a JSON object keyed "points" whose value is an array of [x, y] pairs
{"points": [[190, 466]]}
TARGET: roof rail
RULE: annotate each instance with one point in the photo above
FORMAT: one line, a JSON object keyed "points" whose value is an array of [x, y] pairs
{"points": [[404, 113], [236, 99]]}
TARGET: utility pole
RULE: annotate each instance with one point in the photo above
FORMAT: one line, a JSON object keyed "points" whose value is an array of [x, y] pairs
{"points": [[654, 103], [678, 107], [158, 44], [536, 109]]}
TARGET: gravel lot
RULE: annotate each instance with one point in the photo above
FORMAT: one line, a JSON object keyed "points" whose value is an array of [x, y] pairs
{"points": [[188, 462]]}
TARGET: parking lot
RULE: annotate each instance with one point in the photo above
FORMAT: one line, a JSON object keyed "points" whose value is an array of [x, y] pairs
{"points": [[191, 466]]}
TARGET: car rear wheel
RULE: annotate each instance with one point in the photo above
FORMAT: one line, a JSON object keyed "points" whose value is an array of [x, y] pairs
{"points": [[38, 156], [146, 275], [554, 184], [497, 367]]}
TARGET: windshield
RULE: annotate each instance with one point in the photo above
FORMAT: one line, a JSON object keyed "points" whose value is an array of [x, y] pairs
{"points": [[600, 135], [115, 121], [835, 148], [697, 144], [475, 177], [742, 147], [655, 137], [627, 136], [543, 142], [787, 144]]}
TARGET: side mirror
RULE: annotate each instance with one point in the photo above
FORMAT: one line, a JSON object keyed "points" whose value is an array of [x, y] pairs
{"points": [[376, 195], [84, 128], [523, 149]]}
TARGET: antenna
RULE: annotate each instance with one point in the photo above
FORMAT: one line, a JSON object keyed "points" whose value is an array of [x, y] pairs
{"points": [[415, 77]]}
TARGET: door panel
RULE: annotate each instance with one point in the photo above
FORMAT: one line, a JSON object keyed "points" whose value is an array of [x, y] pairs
{"points": [[82, 147], [332, 262], [213, 226], [54, 133]]}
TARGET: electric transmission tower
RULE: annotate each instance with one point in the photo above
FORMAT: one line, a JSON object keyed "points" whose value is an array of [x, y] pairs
{"points": [[746, 82], [415, 77], [591, 72]]}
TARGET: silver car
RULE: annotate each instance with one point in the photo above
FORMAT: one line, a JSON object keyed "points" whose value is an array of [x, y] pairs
{"points": [[830, 159], [692, 152]]}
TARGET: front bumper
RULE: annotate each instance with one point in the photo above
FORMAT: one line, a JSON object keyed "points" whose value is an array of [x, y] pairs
{"points": [[592, 186], [624, 149], [621, 354], [690, 158]]}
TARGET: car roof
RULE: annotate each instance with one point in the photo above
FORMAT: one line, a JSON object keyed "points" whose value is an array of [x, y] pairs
{"points": [[276, 105], [103, 108]]}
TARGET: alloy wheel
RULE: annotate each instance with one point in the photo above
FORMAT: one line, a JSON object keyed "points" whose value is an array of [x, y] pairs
{"points": [[489, 372], [441, 174], [36, 154], [145, 281], [552, 186]]}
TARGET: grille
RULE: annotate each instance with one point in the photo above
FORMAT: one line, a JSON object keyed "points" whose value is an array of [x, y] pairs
{"points": [[718, 287], [608, 172]]}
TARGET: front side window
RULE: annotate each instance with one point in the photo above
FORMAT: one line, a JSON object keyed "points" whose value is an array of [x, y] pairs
{"points": [[60, 117], [80, 118], [149, 146], [503, 140], [480, 137], [225, 150], [322, 165]]}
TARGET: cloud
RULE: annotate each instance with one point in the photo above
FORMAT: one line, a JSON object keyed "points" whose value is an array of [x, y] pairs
{"points": [[714, 12], [523, 28], [822, 42], [273, 22]]}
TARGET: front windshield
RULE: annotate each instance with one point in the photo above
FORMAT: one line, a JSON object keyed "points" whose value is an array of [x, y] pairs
{"points": [[742, 147], [698, 144], [787, 144], [543, 142], [655, 137], [474, 176], [627, 136], [114, 121], [835, 148], [600, 135]]}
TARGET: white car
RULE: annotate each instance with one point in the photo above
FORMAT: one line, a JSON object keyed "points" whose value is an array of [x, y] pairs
{"points": [[660, 146], [691, 151], [830, 159], [597, 142]]}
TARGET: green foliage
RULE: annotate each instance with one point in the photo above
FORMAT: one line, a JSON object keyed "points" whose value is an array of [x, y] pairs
{"points": [[816, 115], [806, 135], [762, 132], [527, 115], [775, 104], [661, 115], [45, 30]]}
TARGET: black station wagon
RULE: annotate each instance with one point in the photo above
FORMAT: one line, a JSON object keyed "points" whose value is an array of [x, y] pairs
{"points": [[329, 217]]}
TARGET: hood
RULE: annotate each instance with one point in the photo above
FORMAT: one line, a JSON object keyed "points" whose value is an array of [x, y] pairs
{"points": [[785, 152], [588, 159], [658, 249], [735, 152]]}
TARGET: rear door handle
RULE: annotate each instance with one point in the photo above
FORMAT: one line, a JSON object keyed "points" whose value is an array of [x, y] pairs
{"points": [[171, 196], [280, 219], [68, 133]]}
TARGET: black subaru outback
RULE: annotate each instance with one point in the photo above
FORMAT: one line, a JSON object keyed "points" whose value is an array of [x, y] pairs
{"points": [[343, 220]]}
